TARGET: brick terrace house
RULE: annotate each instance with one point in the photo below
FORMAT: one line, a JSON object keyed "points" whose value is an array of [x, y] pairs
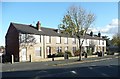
{"points": [[26, 40]]}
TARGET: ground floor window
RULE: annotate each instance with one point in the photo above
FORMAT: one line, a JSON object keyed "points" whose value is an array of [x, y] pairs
{"points": [[59, 49], [66, 48], [74, 49], [103, 49], [38, 51], [48, 50]]}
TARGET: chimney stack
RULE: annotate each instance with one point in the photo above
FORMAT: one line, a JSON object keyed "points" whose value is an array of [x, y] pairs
{"points": [[99, 34], [38, 26]]}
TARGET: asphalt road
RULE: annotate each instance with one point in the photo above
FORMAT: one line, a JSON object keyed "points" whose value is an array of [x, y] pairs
{"points": [[92, 67]]}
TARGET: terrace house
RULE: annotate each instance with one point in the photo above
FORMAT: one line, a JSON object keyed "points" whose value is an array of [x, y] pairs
{"points": [[24, 41]]}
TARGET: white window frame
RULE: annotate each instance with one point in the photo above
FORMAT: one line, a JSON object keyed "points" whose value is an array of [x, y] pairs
{"points": [[73, 40], [38, 50], [66, 40], [58, 40], [59, 49], [66, 48], [48, 39]]}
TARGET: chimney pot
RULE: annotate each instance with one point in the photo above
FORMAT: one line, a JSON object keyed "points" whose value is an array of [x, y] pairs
{"points": [[38, 26]]}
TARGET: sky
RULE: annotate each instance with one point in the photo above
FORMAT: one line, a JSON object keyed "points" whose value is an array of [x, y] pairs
{"points": [[50, 15]]}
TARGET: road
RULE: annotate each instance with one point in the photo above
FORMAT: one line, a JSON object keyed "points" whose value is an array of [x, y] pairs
{"points": [[94, 67]]}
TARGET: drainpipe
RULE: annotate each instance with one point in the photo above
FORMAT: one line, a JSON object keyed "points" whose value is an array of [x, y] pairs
{"points": [[44, 45]]}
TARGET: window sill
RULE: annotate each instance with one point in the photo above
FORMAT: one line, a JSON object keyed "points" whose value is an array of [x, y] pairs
{"points": [[65, 43], [58, 43]]}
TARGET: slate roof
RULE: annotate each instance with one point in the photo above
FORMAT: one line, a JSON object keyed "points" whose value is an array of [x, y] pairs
{"points": [[29, 29]]}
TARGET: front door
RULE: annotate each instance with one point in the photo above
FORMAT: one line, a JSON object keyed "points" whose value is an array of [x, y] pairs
{"points": [[24, 54]]}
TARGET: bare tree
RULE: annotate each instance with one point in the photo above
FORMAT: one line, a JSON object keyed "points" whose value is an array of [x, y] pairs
{"points": [[76, 22], [26, 40]]}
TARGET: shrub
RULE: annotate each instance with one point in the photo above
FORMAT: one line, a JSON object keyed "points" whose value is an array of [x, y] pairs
{"points": [[60, 54], [76, 53], [69, 53], [110, 53], [6, 58]]}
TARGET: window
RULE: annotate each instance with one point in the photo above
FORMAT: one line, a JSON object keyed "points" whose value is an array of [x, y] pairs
{"points": [[38, 51], [103, 49], [40, 38], [66, 40], [58, 39], [86, 41], [22, 38], [59, 49], [103, 42], [48, 39], [74, 49], [73, 40], [48, 50], [66, 48], [99, 42], [37, 38]]}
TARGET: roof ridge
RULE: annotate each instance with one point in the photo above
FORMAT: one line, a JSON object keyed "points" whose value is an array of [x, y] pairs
{"points": [[19, 23]]}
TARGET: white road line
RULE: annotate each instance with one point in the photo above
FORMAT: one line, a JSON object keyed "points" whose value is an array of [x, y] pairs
{"points": [[74, 72], [93, 65], [54, 74], [105, 75], [90, 67]]}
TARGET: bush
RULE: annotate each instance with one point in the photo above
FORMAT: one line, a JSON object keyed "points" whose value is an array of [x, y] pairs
{"points": [[49, 56], [60, 54], [110, 53], [6, 58], [77, 53], [69, 53]]}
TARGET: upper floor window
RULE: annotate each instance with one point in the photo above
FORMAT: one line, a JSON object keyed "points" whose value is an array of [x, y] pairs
{"points": [[99, 42], [58, 39], [22, 38], [48, 39], [40, 38], [37, 38], [66, 40], [103, 42], [86, 41], [73, 41], [29, 38]]}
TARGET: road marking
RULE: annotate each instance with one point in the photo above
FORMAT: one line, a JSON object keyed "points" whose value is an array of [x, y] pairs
{"points": [[93, 65], [74, 72], [105, 75], [41, 71], [90, 67]]}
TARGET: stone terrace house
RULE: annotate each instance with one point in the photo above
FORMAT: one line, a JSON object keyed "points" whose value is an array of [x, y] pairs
{"points": [[24, 41]]}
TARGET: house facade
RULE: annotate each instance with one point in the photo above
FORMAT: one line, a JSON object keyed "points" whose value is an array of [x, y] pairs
{"points": [[30, 43]]}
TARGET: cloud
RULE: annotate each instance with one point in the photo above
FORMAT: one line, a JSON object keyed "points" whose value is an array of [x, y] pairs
{"points": [[108, 30], [111, 28]]}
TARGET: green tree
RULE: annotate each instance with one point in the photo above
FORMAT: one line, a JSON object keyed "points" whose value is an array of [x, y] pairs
{"points": [[76, 22], [116, 40]]}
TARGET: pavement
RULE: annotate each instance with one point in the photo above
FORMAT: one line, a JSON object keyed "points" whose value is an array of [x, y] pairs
{"points": [[50, 64]]}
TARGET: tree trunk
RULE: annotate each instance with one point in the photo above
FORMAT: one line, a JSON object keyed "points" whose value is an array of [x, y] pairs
{"points": [[80, 52]]}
